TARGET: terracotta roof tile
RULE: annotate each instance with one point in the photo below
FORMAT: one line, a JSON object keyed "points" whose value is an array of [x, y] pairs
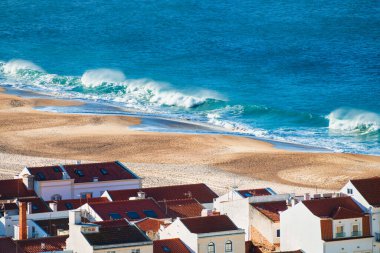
{"points": [[209, 224], [170, 245], [46, 172], [52, 225], [181, 208], [14, 188], [200, 192], [271, 209], [56, 243], [254, 192], [344, 213], [150, 224], [137, 209], [111, 171], [69, 204], [327, 208], [38, 205], [370, 189]]}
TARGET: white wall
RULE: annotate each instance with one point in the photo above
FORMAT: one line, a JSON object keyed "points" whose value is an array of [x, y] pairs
{"points": [[265, 226], [238, 243], [178, 230], [347, 226], [300, 229], [46, 189], [363, 245]]}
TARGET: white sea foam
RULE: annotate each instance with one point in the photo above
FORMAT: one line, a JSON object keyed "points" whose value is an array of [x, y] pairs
{"points": [[14, 66], [353, 120], [96, 77]]}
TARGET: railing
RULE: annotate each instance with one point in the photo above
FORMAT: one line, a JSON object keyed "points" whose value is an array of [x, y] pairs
{"points": [[340, 235], [356, 233], [377, 237]]}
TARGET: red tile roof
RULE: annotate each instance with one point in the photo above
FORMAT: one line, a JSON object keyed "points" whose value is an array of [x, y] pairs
{"points": [[370, 189], [254, 192], [38, 205], [46, 172], [66, 204], [122, 207], [181, 208], [115, 171], [328, 208], [150, 224], [209, 224], [8, 245], [271, 209], [14, 188], [170, 245], [200, 192], [56, 243], [344, 213]]}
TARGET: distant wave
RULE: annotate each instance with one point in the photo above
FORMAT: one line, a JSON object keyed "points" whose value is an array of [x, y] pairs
{"points": [[354, 121], [108, 84]]}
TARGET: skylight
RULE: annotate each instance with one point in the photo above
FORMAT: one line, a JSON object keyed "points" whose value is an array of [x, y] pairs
{"points": [[115, 216], [34, 207], [104, 171], [41, 176], [79, 173], [166, 249], [150, 213], [247, 194], [69, 206], [133, 215]]}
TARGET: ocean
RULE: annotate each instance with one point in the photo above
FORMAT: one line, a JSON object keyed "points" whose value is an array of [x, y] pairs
{"points": [[305, 72]]}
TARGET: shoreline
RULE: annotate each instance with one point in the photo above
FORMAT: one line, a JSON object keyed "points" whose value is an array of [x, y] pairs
{"points": [[216, 158]]}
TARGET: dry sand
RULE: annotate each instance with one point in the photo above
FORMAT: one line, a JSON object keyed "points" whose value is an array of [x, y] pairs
{"points": [[28, 137]]}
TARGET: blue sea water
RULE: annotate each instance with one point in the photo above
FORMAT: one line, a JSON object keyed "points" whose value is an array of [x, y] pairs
{"points": [[306, 72]]}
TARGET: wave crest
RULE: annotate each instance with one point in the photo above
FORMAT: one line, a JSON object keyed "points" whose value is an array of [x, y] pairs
{"points": [[353, 120], [17, 66], [96, 77]]}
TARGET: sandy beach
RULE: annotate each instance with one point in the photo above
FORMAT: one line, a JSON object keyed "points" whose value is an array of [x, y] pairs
{"points": [[31, 137]]}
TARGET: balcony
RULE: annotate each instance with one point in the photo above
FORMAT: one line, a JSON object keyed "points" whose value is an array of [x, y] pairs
{"points": [[377, 237], [356, 233], [340, 235]]}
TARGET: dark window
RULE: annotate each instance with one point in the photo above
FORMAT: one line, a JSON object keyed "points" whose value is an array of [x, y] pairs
{"points": [[34, 207], [166, 249], [349, 191], [228, 246], [247, 194], [57, 169], [150, 213], [211, 248], [41, 176], [115, 216], [278, 232], [79, 173], [69, 206], [133, 215], [104, 171]]}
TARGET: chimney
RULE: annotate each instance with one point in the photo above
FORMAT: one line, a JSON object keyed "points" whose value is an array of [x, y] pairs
{"points": [[29, 208], [75, 217], [141, 195], [43, 246], [22, 221], [306, 196], [28, 181], [293, 201], [53, 206]]}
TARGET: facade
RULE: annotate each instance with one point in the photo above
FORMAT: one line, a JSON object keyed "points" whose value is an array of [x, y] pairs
{"points": [[207, 234], [78, 180], [103, 237], [335, 224]]}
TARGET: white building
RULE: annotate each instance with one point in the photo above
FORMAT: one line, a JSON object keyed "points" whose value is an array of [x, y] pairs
{"points": [[208, 234], [103, 237], [367, 193], [78, 180], [335, 224]]}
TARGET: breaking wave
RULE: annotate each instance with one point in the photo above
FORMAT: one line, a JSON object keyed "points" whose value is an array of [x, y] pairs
{"points": [[354, 121]]}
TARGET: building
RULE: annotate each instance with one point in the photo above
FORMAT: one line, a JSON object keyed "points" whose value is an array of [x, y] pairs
{"points": [[367, 193], [201, 192], [207, 234], [174, 245], [78, 180], [109, 236], [335, 224], [152, 226], [54, 244]]}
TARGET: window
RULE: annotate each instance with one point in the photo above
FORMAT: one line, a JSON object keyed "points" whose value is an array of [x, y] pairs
{"points": [[349, 191], [278, 232], [133, 215], [41, 176], [228, 246], [166, 249], [111, 251], [211, 247], [69, 206], [355, 230], [150, 213], [247, 194], [115, 216], [79, 173], [86, 195], [136, 251], [34, 207], [104, 171], [57, 169], [56, 197], [340, 231]]}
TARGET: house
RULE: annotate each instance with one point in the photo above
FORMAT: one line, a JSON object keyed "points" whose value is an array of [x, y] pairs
{"points": [[109, 236], [132, 210], [201, 192], [174, 245], [151, 227], [207, 234], [181, 208], [78, 180], [367, 193], [335, 224], [54, 244]]}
